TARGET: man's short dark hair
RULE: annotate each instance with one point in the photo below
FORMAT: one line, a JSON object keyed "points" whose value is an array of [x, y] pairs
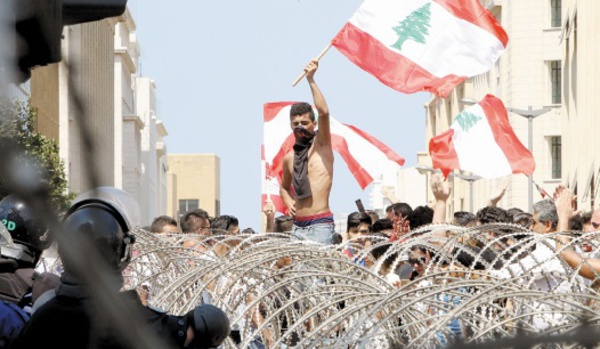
{"points": [[464, 218], [400, 209], [224, 224], [492, 214], [381, 250], [374, 215], [576, 223], [356, 218], [248, 231], [192, 220], [586, 217], [511, 212], [284, 224], [421, 215], [336, 239], [301, 109], [524, 219], [382, 224], [159, 222]]}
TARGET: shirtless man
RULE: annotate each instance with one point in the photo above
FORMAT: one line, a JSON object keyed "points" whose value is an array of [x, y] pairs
{"points": [[309, 168]]}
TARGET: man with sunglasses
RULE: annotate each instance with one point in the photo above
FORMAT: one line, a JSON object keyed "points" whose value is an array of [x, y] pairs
{"points": [[418, 259], [541, 269], [196, 223]]}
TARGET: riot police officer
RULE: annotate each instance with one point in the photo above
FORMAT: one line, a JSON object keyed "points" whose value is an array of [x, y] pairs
{"points": [[88, 310], [22, 240]]}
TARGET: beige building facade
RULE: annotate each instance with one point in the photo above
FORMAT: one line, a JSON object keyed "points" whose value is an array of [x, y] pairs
{"points": [[527, 75], [84, 78], [154, 167], [194, 182], [128, 123], [580, 26], [100, 70]]}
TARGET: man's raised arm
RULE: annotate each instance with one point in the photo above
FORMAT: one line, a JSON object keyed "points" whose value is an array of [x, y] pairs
{"points": [[324, 135]]}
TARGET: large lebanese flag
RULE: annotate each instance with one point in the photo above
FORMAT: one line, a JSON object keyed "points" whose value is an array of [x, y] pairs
{"points": [[365, 156], [422, 45], [481, 140]]}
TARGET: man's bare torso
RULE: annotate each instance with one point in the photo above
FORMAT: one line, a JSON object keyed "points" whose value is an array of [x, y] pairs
{"points": [[320, 174]]}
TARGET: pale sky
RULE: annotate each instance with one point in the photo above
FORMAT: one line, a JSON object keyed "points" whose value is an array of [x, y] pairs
{"points": [[215, 64]]}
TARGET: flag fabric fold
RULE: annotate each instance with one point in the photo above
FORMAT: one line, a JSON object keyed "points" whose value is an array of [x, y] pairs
{"points": [[365, 156], [422, 45], [481, 140]]}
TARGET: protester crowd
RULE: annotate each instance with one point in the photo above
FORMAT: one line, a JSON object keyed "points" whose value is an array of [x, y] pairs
{"points": [[406, 279]]}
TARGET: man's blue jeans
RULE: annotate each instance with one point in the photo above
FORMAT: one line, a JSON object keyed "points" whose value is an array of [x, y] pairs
{"points": [[320, 232]]}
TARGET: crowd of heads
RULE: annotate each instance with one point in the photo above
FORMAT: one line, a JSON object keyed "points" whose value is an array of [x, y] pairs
{"points": [[369, 240], [496, 246], [363, 228]]}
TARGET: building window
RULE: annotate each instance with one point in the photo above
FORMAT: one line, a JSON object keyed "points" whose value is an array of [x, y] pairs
{"points": [[188, 204], [555, 12], [555, 77], [433, 120], [449, 110], [555, 151]]}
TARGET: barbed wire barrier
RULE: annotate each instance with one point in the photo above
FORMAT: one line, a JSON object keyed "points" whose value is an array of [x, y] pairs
{"points": [[480, 284]]}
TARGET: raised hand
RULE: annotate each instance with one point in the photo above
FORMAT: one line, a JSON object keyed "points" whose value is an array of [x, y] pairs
{"points": [[495, 198], [441, 188], [564, 201], [269, 208], [389, 193], [311, 69]]}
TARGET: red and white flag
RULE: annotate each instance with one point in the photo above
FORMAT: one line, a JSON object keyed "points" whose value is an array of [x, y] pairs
{"points": [[422, 45], [365, 156], [481, 140], [270, 186]]}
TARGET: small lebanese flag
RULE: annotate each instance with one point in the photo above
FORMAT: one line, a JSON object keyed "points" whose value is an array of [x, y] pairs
{"points": [[542, 192], [270, 187], [422, 45], [481, 140], [366, 157]]}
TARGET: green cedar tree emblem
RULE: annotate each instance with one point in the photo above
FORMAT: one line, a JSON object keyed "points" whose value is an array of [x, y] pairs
{"points": [[414, 27], [467, 120]]}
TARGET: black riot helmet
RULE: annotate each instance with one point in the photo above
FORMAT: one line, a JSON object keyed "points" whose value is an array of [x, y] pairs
{"points": [[103, 219], [210, 324], [29, 235]]}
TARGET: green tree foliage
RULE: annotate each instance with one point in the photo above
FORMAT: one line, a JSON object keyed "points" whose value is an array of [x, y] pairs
{"points": [[414, 27], [41, 154]]}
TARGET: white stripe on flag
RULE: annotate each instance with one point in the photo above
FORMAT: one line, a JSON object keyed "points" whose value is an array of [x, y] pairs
{"points": [[467, 49], [276, 132], [366, 154], [477, 150]]}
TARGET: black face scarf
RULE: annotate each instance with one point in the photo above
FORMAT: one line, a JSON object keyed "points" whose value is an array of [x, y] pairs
{"points": [[300, 183]]}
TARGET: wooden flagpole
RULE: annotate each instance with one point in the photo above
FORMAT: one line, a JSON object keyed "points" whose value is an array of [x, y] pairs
{"points": [[317, 59]]}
